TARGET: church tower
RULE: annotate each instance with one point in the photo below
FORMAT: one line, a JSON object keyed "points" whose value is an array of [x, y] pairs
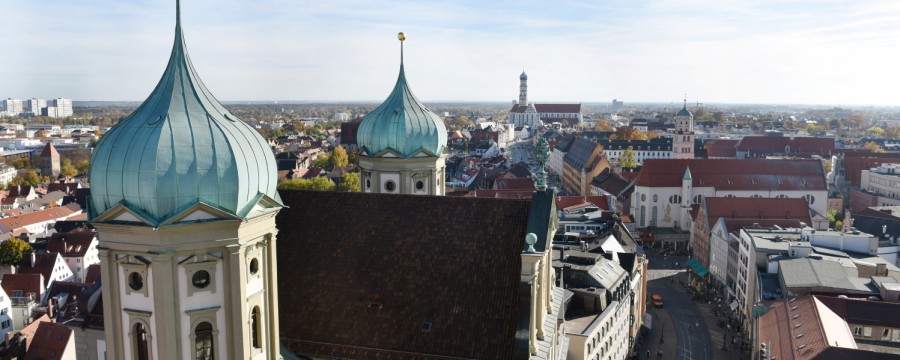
{"points": [[183, 195], [402, 144], [683, 138], [523, 89]]}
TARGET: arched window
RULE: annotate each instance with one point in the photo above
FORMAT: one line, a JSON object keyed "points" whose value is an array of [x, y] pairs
{"points": [[675, 199], [254, 328], [141, 345], [643, 215], [698, 199], [809, 199], [653, 216], [203, 341]]}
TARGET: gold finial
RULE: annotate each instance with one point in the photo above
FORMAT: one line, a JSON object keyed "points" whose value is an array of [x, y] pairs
{"points": [[401, 36]]}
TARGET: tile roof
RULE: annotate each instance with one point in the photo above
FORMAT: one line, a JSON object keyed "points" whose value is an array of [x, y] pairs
{"points": [[864, 312], [799, 145], [612, 183], [49, 150], [67, 188], [27, 283], [394, 286], [721, 148], [50, 342], [757, 208], [735, 174], [43, 263], [776, 329], [564, 202], [71, 244], [504, 194], [583, 154], [93, 274], [514, 184], [18, 223], [853, 166], [549, 108]]}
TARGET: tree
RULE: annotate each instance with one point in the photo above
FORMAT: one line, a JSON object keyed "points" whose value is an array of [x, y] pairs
{"points": [[320, 183], [350, 183], [875, 132], [11, 251], [338, 157], [19, 163], [628, 133], [603, 125], [628, 160], [321, 161], [31, 179], [892, 132], [83, 166], [873, 147], [702, 114], [41, 134], [815, 128], [718, 116]]}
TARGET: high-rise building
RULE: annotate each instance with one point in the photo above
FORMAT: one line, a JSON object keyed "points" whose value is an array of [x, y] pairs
{"points": [[34, 106], [183, 197], [12, 107], [63, 107]]}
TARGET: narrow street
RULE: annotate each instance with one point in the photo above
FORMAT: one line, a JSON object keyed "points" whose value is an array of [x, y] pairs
{"points": [[682, 329]]}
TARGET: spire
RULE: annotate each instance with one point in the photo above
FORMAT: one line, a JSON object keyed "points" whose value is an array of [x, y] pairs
{"points": [[402, 37], [177, 14], [687, 174]]}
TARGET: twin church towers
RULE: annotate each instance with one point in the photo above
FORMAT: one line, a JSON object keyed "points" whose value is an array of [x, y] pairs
{"points": [[183, 195]]}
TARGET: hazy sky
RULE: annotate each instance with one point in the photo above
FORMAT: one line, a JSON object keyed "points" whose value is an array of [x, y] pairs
{"points": [[743, 51]]}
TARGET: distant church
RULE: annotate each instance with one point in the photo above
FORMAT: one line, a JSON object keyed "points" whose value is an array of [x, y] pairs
{"points": [[524, 113]]}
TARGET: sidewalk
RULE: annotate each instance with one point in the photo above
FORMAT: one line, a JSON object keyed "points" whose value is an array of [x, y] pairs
{"points": [[720, 334]]}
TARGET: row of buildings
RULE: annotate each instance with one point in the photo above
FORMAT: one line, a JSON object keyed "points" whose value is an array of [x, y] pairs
{"points": [[55, 108]]}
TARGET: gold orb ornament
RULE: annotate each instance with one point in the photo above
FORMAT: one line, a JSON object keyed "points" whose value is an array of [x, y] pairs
{"points": [[401, 36]]}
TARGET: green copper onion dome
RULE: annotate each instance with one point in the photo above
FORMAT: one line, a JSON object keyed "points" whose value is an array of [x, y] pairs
{"points": [[402, 124], [523, 76], [684, 110], [181, 147]]}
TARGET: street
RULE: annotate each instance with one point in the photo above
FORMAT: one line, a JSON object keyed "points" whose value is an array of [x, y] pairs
{"points": [[682, 329]]}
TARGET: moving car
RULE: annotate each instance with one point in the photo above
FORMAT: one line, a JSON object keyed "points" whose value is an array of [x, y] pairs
{"points": [[657, 300]]}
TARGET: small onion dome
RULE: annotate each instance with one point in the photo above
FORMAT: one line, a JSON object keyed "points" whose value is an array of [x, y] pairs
{"points": [[523, 76], [684, 111]]}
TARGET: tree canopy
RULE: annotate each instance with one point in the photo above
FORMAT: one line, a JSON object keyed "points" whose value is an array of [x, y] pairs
{"points": [[628, 133], [873, 147], [320, 183], [12, 250], [350, 183], [338, 157], [628, 159]]}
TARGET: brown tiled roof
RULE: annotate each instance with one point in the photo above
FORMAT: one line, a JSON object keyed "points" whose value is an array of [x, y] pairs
{"points": [[68, 188], [614, 184], [776, 328], [68, 287], [348, 133], [93, 274], [44, 263], [27, 283], [515, 184], [504, 194], [583, 154], [735, 174], [733, 225], [757, 208], [721, 148], [549, 108], [75, 243], [799, 146], [13, 223], [864, 312], [49, 150], [19, 191], [563, 202], [853, 166], [366, 289], [49, 342]]}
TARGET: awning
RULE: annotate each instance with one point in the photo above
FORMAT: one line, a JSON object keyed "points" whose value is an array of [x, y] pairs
{"points": [[697, 267], [648, 321]]}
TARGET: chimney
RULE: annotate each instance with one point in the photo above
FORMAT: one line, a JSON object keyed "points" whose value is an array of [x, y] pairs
{"points": [[33, 258]]}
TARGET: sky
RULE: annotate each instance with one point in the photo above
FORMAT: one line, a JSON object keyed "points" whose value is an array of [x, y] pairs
{"points": [[715, 51]]}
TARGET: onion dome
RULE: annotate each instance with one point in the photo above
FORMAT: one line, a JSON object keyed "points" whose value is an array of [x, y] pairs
{"points": [[684, 110], [523, 76], [181, 147], [402, 125]]}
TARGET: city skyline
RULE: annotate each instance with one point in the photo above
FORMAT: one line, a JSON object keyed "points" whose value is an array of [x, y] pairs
{"points": [[832, 52]]}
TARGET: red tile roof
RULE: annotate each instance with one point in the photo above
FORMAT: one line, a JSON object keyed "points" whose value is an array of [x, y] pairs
{"points": [[721, 148], [503, 194], [804, 146], [67, 188], [776, 328], [549, 108], [735, 174], [739, 208], [853, 166], [43, 263], [515, 184], [93, 274], [49, 150], [863, 312], [50, 342], [27, 283], [17, 224], [564, 202], [75, 243]]}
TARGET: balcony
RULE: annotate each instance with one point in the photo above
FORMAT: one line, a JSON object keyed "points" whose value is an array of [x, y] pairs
{"points": [[22, 300]]}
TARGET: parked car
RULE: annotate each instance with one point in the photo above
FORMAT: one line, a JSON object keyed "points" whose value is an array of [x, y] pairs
{"points": [[657, 300]]}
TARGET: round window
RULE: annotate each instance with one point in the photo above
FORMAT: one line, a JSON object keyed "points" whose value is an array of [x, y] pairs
{"points": [[390, 186], [254, 266], [420, 185], [655, 198], [135, 281], [643, 197], [200, 279]]}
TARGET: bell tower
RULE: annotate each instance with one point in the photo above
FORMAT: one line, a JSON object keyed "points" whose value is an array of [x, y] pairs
{"points": [[523, 89], [183, 197]]}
